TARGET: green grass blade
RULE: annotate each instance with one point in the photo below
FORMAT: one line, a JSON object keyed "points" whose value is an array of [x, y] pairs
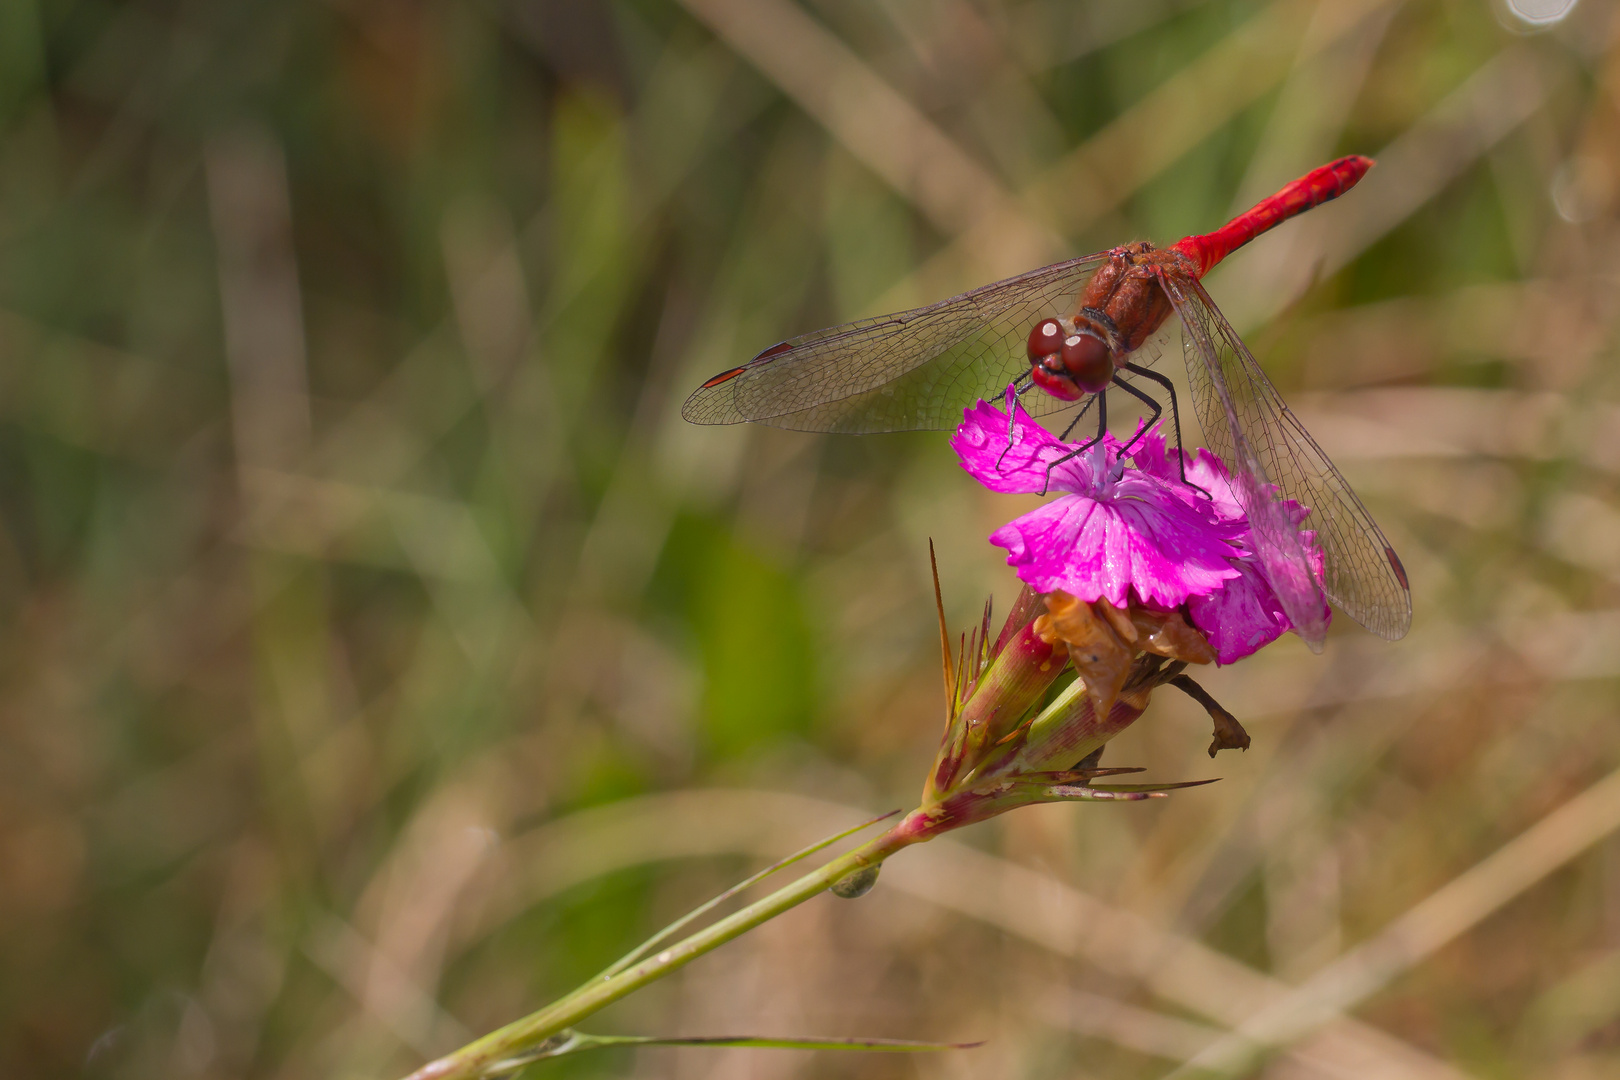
{"points": [[577, 1042], [747, 883], [1151, 787], [1111, 792]]}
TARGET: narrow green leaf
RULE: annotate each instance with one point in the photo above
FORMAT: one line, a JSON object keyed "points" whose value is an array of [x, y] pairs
{"points": [[577, 1042], [1069, 776], [1152, 787], [1072, 793], [667, 932], [1111, 792]]}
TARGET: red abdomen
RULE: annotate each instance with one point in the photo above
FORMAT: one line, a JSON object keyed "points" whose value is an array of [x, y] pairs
{"points": [[1313, 189]]}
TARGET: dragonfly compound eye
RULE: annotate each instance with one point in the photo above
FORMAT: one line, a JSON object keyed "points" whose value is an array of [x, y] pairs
{"points": [[1086, 359], [1045, 339]]}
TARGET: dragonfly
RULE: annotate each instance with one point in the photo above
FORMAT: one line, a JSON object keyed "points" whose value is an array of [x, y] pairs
{"points": [[1074, 331]]}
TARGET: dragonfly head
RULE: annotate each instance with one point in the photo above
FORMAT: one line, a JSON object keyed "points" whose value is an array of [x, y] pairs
{"points": [[1068, 363]]}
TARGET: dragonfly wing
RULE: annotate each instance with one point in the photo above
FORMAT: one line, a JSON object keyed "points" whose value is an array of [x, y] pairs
{"points": [[1269, 452], [914, 370]]}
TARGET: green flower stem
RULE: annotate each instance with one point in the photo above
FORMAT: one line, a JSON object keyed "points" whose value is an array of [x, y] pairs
{"points": [[472, 1060]]}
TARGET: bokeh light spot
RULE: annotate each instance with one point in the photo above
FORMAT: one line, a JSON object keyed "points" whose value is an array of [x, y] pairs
{"points": [[1541, 12]]}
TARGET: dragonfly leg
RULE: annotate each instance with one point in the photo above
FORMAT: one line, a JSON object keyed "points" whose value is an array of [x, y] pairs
{"points": [[1158, 411], [1012, 415], [1102, 431], [1175, 419], [1079, 416]]}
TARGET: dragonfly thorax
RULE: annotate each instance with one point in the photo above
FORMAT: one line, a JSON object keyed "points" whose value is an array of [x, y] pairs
{"points": [[1068, 359]]}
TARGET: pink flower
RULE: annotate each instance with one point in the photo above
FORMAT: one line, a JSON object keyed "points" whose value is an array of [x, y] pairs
{"points": [[1129, 534]]}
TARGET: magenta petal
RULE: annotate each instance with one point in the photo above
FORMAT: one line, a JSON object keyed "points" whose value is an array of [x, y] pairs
{"points": [[1245, 614], [1151, 454], [1241, 617], [981, 444], [1145, 541], [1209, 472], [1154, 457]]}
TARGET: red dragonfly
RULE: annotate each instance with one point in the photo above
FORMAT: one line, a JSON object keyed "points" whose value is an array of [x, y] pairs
{"points": [[1074, 330]]}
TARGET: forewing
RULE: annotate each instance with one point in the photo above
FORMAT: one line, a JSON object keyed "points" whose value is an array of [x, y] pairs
{"points": [[914, 370], [1246, 422]]}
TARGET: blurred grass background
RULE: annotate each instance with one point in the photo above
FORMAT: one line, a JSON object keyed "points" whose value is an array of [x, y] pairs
{"points": [[381, 654]]}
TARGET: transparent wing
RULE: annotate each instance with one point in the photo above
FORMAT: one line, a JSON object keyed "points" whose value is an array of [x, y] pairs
{"points": [[1246, 422], [915, 370]]}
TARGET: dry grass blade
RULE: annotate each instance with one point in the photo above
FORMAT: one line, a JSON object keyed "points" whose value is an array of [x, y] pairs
{"points": [[570, 1043], [742, 886], [1144, 140], [1453, 910], [1143, 1030], [1036, 908], [1416, 167], [386, 992], [868, 117], [1094, 179], [1024, 903], [1315, 100], [944, 637]]}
